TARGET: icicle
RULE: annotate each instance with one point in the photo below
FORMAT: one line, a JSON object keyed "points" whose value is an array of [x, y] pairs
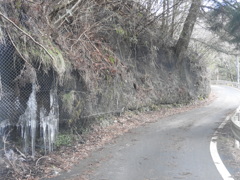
{"points": [[3, 125], [49, 124], [54, 114], [17, 104], [44, 124], [1, 91], [28, 121]]}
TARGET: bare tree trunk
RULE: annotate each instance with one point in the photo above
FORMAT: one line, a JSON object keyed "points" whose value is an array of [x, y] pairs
{"points": [[164, 16], [186, 33], [174, 11], [168, 13]]}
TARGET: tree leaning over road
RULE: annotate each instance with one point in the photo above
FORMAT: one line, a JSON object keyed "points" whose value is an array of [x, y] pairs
{"points": [[184, 39]]}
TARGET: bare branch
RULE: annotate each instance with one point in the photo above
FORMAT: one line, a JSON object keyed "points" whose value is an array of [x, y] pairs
{"points": [[25, 33], [19, 53], [216, 48], [69, 12]]}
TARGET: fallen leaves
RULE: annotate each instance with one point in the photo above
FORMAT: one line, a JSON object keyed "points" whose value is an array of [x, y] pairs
{"points": [[64, 158]]}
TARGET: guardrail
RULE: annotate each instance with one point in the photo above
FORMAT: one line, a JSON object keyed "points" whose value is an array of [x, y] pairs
{"points": [[227, 83], [235, 127], [235, 117]]}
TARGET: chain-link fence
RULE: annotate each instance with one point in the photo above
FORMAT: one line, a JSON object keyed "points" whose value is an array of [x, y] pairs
{"points": [[10, 106], [68, 67], [28, 107], [30, 99]]}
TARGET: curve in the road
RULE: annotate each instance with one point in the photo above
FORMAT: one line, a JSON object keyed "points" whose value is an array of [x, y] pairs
{"points": [[175, 147], [214, 151], [215, 155]]}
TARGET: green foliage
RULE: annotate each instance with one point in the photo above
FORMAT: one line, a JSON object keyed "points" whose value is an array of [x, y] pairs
{"points": [[200, 98], [134, 40], [223, 67], [234, 25], [18, 4], [49, 57], [224, 19], [73, 105], [120, 31], [112, 59], [68, 101], [76, 112], [58, 62], [129, 36], [64, 140], [140, 15], [153, 107]]}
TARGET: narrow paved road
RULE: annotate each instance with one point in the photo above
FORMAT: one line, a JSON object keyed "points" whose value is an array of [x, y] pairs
{"points": [[176, 147]]}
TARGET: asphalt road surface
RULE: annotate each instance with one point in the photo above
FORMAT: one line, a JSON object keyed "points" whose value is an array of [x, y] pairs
{"points": [[176, 147]]}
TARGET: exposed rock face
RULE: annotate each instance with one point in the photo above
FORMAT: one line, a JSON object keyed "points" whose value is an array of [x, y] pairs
{"points": [[150, 78]]}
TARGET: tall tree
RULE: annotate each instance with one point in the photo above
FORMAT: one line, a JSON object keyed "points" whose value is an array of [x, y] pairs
{"points": [[173, 18], [164, 16], [186, 33], [224, 20]]}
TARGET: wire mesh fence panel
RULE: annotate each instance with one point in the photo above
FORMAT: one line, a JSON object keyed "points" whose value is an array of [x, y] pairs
{"points": [[63, 73], [32, 102], [10, 105], [23, 98]]}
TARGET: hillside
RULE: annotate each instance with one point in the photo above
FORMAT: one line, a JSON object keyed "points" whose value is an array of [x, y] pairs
{"points": [[68, 63]]}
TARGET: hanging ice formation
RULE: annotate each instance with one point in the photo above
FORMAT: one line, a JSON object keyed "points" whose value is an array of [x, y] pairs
{"points": [[5, 110], [48, 122], [1, 91], [3, 125], [28, 122]]}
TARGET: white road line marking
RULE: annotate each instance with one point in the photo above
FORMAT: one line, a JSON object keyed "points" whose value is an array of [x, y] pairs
{"points": [[215, 156]]}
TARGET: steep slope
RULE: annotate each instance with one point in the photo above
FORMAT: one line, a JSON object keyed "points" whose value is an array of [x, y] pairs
{"points": [[86, 59]]}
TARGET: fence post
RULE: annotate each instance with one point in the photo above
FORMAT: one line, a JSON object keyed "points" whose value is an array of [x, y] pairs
{"points": [[236, 143], [237, 68]]}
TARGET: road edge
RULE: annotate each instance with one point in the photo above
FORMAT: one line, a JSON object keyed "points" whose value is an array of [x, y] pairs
{"points": [[214, 151]]}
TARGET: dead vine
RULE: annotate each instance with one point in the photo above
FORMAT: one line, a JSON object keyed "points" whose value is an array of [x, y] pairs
{"points": [[28, 35]]}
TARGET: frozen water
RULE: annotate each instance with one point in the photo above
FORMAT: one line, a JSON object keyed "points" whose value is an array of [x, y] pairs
{"points": [[44, 120], [28, 121], [1, 91], [10, 155], [49, 123], [3, 125], [17, 104]]}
